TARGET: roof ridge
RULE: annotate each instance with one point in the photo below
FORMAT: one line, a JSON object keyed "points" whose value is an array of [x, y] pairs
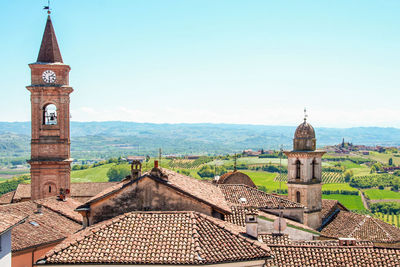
{"points": [[387, 234], [360, 224], [195, 235]]}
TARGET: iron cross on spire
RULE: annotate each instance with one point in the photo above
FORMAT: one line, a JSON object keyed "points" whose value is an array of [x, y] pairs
{"points": [[305, 114], [47, 7]]}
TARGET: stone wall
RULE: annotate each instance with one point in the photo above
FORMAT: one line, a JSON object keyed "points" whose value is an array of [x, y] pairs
{"points": [[145, 195]]}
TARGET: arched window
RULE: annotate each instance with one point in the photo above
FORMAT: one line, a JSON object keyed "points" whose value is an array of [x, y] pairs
{"points": [[298, 197], [298, 169], [314, 164], [50, 115]]}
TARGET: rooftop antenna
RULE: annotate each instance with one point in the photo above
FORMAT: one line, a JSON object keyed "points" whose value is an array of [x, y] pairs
{"points": [[235, 163], [305, 115], [47, 7], [159, 156]]}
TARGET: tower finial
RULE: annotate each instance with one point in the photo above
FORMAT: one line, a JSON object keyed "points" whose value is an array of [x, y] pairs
{"points": [[47, 7], [305, 115]]}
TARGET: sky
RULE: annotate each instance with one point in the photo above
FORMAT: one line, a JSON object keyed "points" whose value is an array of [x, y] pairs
{"points": [[225, 61]]}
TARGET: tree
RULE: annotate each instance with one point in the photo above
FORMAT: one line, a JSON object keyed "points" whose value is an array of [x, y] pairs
{"points": [[390, 161], [347, 175], [118, 172]]}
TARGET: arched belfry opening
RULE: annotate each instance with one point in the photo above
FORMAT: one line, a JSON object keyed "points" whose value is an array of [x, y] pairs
{"points": [[298, 169], [50, 114]]}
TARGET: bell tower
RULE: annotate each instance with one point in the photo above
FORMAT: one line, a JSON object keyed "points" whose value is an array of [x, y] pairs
{"points": [[50, 142], [305, 174]]}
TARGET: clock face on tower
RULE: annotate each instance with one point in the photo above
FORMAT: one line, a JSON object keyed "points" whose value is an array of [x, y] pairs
{"points": [[49, 76]]}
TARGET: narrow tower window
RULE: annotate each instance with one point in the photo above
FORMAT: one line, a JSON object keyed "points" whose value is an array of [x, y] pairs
{"points": [[298, 169], [314, 164], [298, 198], [49, 188], [50, 115]]}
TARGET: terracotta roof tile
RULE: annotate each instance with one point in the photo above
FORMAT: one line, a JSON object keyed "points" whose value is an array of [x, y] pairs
{"points": [[244, 195], [66, 208], [79, 191], [22, 192], [9, 220], [7, 198], [157, 238], [224, 179], [38, 228], [335, 256], [362, 227]]}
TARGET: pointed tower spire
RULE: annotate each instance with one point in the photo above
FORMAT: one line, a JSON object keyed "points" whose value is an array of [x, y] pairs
{"points": [[49, 51]]}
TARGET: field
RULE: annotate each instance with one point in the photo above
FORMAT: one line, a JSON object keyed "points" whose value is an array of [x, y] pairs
{"points": [[384, 157], [266, 179], [351, 202], [334, 187], [97, 174], [381, 194]]}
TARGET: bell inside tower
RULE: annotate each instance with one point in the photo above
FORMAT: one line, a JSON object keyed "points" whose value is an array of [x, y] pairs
{"points": [[50, 115]]}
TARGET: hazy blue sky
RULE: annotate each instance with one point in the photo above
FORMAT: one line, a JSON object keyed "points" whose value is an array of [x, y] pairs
{"points": [[256, 62]]}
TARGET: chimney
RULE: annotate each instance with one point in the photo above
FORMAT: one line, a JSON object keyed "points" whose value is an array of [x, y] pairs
{"points": [[252, 224], [347, 241], [157, 172], [38, 209], [136, 169]]}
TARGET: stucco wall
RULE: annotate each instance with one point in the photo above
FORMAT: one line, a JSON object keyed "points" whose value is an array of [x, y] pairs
{"points": [[27, 257], [145, 195], [5, 252], [293, 214], [265, 226]]}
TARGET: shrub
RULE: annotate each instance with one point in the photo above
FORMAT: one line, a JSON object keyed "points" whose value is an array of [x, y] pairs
{"points": [[118, 172]]}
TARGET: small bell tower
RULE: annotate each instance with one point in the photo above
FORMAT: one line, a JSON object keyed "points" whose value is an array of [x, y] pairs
{"points": [[50, 137], [305, 174]]}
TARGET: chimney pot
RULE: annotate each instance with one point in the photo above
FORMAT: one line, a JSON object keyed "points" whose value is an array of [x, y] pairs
{"points": [[156, 164], [252, 225]]}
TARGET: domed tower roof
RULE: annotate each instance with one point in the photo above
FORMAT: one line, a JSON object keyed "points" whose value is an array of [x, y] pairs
{"points": [[304, 137], [304, 130]]}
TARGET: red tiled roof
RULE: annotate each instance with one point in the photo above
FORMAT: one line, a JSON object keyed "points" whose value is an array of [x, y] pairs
{"points": [[22, 192], [255, 198], [335, 256], [65, 208], [38, 229], [9, 220], [362, 227], [226, 176], [329, 206], [157, 238], [204, 192], [80, 191], [7, 198]]}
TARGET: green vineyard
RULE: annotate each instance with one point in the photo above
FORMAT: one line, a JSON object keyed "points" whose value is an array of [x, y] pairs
{"points": [[392, 219], [189, 163], [327, 178]]}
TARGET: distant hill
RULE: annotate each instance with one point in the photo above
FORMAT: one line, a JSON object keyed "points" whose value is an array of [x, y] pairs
{"points": [[116, 137]]}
